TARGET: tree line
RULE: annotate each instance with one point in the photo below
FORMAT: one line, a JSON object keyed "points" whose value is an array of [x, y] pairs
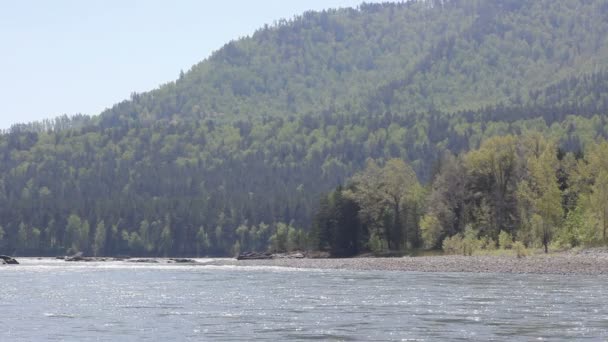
{"points": [[211, 178], [511, 190]]}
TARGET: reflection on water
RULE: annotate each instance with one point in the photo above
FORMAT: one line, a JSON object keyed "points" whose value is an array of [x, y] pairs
{"points": [[53, 300]]}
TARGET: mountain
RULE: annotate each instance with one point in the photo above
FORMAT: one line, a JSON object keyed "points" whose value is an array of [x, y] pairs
{"points": [[240, 148]]}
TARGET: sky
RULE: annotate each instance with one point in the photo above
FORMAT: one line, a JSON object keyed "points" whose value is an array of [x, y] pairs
{"points": [[72, 56]]}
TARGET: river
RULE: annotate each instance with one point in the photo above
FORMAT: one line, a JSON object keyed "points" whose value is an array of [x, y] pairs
{"points": [[117, 301]]}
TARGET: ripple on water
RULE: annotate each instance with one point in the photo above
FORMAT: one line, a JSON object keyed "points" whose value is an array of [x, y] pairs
{"points": [[59, 315], [150, 302]]}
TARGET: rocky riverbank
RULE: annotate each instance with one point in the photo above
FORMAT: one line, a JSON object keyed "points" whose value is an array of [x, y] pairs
{"points": [[594, 263], [589, 261]]}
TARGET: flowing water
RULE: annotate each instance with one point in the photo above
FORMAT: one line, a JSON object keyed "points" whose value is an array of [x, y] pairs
{"points": [[117, 301]]}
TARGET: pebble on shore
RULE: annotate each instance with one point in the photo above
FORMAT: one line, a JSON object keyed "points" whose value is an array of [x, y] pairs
{"points": [[561, 263]]}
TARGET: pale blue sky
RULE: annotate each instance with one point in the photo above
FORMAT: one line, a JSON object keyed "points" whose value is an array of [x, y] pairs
{"points": [[82, 56]]}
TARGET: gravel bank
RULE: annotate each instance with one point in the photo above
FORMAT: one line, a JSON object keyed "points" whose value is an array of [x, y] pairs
{"points": [[563, 263]]}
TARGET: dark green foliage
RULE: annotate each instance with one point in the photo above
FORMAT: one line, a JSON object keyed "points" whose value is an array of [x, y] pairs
{"points": [[255, 134], [336, 226]]}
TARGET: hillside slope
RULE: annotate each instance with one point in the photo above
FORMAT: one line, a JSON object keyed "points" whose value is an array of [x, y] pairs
{"points": [[252, 136], [397, 57]]}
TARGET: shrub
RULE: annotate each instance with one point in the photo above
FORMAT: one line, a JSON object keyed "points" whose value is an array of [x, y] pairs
{"points": [[505, 240], [377, 244], [470, 242], [487, 243], [452, 245], [431, 230], [520, 249], [459, 244], [236, 248], [465, 244]]}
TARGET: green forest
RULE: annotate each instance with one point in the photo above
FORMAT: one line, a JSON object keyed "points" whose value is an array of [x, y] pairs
{"points": [[512, 191], [454, 125]]}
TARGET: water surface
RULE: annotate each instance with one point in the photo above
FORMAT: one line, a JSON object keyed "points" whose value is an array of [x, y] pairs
{"points": [[116, 301]]}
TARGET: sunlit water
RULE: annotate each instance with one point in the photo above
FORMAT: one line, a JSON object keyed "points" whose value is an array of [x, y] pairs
{"points": [[116, 301]]}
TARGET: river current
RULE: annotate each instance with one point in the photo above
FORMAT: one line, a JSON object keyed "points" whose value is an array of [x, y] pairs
{"points": [[49, 300]]}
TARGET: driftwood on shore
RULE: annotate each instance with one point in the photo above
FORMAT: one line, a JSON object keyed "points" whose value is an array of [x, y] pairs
{"points": [[157, 261], [181, 261], [254, 256], [79, 257], [7, 260], [268, 255]]}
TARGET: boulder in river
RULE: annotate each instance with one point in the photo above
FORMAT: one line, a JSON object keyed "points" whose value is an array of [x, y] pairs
{"points": [[78, 257], [291, 255], [182, 261], [254, 256], [143, 260], [5, 259]]}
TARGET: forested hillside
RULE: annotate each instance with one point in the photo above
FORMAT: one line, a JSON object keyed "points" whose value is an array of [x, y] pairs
{"points": [[237, 152]]}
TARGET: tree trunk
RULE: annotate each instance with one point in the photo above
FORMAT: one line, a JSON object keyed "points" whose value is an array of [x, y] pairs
{"points": [[405, 232], [545, 240], [397, 226], [604, 224]]}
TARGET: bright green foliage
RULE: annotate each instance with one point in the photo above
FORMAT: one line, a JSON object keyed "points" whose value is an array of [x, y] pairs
{"points": [[599, 202], [470, 242], [573, 231], [447, 198], [202, 242], [520, 179], [505, 240], [166, 241], [386, 196], [236, 248], [278, 241], [293, 242], [286, 238], [219, 236], [588, 222], [99, 241], [259, 236], [463, 243], [135, 243], [487, 243], [377, 244], [22, 241], [453, 245], [492, 173], [241, 232], [77, 233], [146, 237], [34, 239], [431, 230], [520, 249], [72, 231], [539, 190]]}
